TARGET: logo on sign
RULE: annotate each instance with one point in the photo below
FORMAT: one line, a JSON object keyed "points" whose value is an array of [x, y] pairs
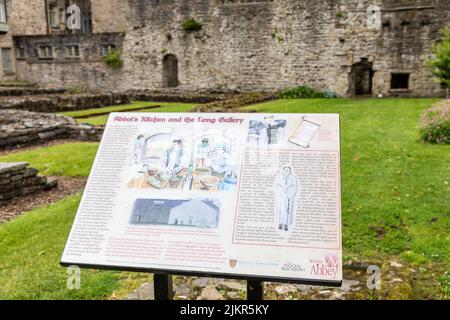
{"points": [[328, 267], [233, 263]]}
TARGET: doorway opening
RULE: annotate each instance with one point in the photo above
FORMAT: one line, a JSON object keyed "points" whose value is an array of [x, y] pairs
{"points": [[362, 78], [170, 71]]}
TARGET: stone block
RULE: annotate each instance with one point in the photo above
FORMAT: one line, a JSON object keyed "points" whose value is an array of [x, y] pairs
{"points": [[30, 190], [51, 183], [12, 167], [30, 172]]}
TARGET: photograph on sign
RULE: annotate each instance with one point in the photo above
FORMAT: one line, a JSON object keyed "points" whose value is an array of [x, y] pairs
{"points": [[241, 195]]}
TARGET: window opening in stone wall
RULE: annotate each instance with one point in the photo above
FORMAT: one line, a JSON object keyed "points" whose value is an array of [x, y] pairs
{"points": [[73, 51], [20, 53], [170, 71], [3, 18], [107, 49], [45, 52], [400, 81], [2, 11], [53, 16], [7, 61]]}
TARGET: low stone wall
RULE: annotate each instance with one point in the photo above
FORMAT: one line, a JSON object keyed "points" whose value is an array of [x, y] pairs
{"points": [[17, 179], [21, 128], [175, 95], [85, 132], [210, 101], [235, 102], [29, 91], [63, 102]]}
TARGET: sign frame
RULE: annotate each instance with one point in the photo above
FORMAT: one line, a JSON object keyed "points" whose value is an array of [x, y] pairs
{"points": [[164, 275]]}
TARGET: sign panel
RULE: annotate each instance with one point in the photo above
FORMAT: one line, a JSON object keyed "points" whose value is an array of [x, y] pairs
{"points": [[237, 195]]}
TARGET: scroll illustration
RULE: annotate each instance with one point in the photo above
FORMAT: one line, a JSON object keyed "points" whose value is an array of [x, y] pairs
{"points": [[305, 133]]}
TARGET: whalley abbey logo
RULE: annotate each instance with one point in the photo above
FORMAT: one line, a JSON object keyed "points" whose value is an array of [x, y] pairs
{"points": [[328, 267]]}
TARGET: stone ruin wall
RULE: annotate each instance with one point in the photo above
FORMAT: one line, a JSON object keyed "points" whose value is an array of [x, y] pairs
{"points": [[24, 17], [27, 17], [260, 45], [109, 15], [23, 128], [17, 179], [6, 42], [267, 45], [63, 103], [89, 71]]}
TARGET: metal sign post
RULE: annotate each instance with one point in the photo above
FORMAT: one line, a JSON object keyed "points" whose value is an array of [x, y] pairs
{"points": [[163, 286], [255, 290]]}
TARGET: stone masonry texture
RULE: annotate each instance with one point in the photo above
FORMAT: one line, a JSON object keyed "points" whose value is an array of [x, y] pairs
{"points": [[17, 179], [22, 128], [247, 45]]}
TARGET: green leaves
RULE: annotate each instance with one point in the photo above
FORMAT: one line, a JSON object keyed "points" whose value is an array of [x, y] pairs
{"points": [[440, 63], [192, 25], [305, 92], [435, 123], [113, 59]]}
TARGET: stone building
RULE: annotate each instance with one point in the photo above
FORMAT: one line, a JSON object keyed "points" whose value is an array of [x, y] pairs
{"points": [[351, 47]]}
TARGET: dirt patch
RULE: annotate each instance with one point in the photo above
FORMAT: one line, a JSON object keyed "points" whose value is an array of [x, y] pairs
{"points": [[66, 187]]}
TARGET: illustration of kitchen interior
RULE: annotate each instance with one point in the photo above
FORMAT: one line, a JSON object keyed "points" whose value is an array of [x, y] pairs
{"points": [[164, 161]]}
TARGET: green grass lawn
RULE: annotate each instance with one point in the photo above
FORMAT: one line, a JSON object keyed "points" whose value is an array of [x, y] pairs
{"points": [[94, 119], [30, 249], [71, 160], [390, 179], [391, 182]]}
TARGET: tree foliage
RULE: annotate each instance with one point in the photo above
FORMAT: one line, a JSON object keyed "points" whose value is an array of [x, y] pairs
{"points": [[440, 63]]}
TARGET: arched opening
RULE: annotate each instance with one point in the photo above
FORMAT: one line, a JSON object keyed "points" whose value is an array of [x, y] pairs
{"points": [[154, 149], [361, 78], [170, 71]]}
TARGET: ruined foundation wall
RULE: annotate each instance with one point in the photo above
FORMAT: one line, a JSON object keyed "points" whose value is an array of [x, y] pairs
{"points": [[21, 128], [63, 102], [17, 179]]}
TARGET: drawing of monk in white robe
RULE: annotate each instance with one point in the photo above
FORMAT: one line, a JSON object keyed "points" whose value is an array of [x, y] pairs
{"points": [[137, 150], [286, 191]]}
